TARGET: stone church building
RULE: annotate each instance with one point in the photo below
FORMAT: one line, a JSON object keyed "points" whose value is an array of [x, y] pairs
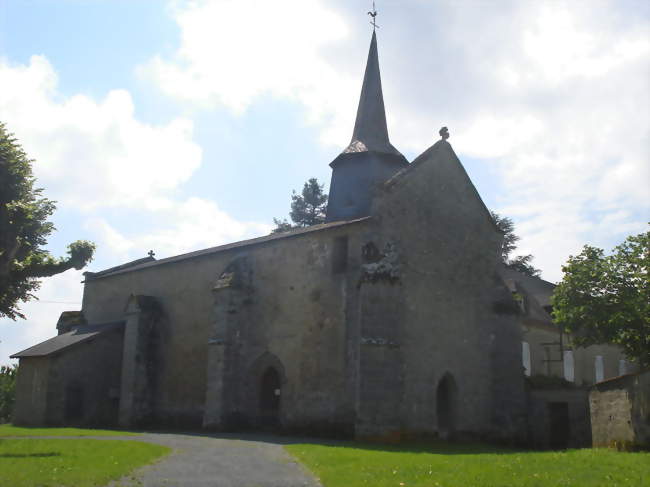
{"points": [[395, 317]]}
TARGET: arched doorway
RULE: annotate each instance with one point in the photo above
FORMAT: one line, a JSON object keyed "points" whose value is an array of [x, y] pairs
{"points": [[446, 406], [270, 389]]}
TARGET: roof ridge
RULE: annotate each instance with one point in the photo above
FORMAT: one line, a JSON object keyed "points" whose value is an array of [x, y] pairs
{"points": [[224, 247]]}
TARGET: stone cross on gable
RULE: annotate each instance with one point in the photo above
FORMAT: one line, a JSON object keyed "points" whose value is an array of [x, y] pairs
{"points": [[151, 253]]}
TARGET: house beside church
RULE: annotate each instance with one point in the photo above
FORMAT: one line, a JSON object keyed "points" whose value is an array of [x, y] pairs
{"points": [[395, 317]]}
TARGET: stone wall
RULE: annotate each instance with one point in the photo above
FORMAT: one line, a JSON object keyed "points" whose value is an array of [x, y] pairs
{"points": [[31, 391], [211, 345], [449, 248], [83, 379], [620, 411]]}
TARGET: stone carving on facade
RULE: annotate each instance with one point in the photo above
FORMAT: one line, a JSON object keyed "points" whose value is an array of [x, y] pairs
{"points": [[385, 268]]}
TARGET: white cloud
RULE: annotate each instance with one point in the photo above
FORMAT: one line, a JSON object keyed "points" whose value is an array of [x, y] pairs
{"points": [[93, 154], [234, 52], [180, 227]]}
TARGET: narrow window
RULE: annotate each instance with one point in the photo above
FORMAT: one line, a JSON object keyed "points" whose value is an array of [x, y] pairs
{"points": [[600, 368], [525, 357], [547, 360], [569, 366], [622, 367], [340, 255]]}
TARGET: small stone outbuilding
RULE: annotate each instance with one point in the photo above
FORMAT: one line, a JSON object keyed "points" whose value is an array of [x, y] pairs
{"points": [[620, 412]]}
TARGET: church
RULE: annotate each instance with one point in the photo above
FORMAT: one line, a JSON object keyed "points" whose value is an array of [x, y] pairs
{"points": [[394, 318]]}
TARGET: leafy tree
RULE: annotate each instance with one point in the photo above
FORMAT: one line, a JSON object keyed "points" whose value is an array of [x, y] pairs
{"points": [[606, 298], [7, 391], [521, 263], [307, 208], [24, 230]]}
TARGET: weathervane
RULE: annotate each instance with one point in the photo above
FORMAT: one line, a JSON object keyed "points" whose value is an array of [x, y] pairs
{"points": [[373, 14]]}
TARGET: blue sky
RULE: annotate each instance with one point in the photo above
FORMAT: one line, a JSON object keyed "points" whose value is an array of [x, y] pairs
{"points": [[174, 126]]}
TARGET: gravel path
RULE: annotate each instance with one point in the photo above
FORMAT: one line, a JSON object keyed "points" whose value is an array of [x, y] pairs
{"points": [[220, 461]]}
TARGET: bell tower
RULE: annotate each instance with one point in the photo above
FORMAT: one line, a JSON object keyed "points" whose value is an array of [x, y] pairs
{"points": [[370, 159]]}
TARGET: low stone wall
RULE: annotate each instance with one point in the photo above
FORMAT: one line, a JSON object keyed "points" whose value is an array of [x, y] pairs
{"points": [[620, 412]]}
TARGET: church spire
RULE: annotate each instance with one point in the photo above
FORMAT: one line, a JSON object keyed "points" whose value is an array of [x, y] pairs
{"points": [[370, 159], [370, 130]]}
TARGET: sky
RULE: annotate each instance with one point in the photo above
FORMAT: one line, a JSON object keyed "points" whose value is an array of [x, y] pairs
{"points": [[174, 126]]}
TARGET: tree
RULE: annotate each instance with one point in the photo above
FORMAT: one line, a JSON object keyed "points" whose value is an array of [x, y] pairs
{"points": [[606, 298], [521, 263], [24, 230], [7, 391], [307, 208]]}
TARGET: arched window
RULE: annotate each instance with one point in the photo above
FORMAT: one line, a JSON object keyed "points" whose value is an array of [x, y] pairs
{"points": [[599, 365], [525, 358], [569, 366]]}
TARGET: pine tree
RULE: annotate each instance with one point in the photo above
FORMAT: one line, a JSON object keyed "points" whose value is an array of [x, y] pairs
{"points": [[307, 208], [521, 263]]}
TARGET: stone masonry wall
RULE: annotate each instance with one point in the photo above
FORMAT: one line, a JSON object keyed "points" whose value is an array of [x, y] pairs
{"points": [[449, 251], [296, 312], [31, 391], [620, 411], [93, 366]]}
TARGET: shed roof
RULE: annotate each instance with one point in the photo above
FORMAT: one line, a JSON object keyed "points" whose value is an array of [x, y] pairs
{"points": [[65, 340]]}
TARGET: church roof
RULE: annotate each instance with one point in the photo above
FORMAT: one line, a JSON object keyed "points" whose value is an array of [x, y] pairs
{"points": [[370, 129], [120, 267], [437, 147], [221, 248], [78, 335]]}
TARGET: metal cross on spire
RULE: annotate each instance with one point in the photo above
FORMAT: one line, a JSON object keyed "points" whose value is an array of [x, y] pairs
{"points": [[373, 14]]}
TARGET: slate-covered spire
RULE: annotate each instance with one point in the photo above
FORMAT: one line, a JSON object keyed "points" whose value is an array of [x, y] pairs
{"points": [[370, 130], [370, 159]]}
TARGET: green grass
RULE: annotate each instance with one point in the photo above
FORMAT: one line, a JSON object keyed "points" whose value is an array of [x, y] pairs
{"points": [[461, 465], [9, 430], [33, 462]]}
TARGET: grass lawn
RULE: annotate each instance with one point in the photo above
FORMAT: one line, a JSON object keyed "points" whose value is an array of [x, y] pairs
{"points": [[9, 430], [33, 462], [460, 465]]}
